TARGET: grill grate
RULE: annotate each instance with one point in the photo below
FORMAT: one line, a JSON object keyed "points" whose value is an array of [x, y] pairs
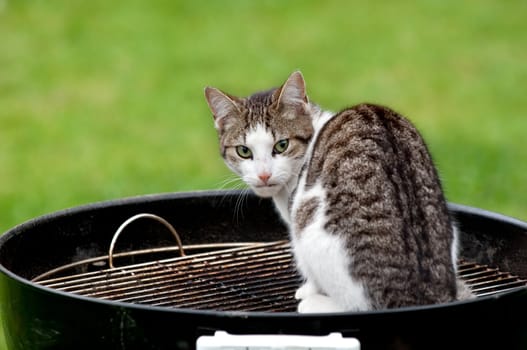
{"points": [[254, 277]]}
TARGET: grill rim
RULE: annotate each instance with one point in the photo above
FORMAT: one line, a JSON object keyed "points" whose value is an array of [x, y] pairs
{"points": [[455, 208]]}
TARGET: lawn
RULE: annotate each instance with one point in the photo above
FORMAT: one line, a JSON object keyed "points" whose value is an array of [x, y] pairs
{"points": [[101, 99]]}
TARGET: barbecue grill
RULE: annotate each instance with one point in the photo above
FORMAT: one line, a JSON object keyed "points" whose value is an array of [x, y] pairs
{"points": [[103, 276]]}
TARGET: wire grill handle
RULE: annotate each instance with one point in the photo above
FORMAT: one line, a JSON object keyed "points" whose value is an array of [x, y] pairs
{"points": [[137, 217]]}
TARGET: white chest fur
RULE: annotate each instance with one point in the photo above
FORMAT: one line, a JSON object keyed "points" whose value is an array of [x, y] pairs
{"points": [[321, 257]]}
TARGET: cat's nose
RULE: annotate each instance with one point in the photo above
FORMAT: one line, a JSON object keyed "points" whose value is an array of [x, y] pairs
{"points": [[264, 177]]}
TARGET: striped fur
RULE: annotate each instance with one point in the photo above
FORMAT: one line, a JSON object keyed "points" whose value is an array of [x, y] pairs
{"points": [[368, 220]]}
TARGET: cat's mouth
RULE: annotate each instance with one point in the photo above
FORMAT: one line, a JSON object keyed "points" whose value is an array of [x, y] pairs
{"points": [[267, 190], [266, 186]]}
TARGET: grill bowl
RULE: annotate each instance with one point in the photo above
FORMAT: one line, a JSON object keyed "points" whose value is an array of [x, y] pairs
{"points": [[38, 317]]}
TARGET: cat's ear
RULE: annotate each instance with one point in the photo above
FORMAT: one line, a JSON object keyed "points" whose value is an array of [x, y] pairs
{"points": [[222, 106], [291, 97]]}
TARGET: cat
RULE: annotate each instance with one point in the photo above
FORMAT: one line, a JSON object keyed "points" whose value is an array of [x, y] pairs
{"points": [[368, 220]]}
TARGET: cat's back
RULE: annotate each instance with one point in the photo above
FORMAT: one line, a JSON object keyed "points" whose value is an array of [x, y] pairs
{"points": [[384, 197], [357, 141]]}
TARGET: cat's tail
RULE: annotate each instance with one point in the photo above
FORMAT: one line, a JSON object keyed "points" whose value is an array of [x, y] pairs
{"points": [[463, 290]]}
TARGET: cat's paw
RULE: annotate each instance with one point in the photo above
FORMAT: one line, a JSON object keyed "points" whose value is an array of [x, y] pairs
{"points": [[305, 291], [318, 303]]}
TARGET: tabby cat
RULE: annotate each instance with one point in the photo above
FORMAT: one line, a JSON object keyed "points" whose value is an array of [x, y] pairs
{"points": [[367, 216]]}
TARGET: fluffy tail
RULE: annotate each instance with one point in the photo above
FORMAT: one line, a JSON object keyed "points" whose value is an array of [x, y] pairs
{"points": [[463, 291]]}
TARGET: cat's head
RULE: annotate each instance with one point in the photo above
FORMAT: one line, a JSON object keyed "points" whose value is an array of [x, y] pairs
{"points": [[264, 137]]}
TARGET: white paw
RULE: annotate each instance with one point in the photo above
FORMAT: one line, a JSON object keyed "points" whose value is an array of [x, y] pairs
{"points": [[305, 291], [318, 303]]}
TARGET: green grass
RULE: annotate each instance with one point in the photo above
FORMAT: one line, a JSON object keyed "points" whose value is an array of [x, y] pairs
{"points": [[102, 99]]}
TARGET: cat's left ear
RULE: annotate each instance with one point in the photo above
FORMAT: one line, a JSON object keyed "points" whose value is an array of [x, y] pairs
{"points": [[291, 97], [222, 107]]}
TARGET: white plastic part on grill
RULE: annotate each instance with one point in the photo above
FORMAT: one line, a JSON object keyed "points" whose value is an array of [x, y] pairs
{"points": [[225, 341]]}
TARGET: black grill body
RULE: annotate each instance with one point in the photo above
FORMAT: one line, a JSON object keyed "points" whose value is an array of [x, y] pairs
{"points": [[39, 317]]}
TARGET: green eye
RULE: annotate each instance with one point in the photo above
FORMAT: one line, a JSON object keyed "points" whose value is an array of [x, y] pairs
{"points": [[244, 152], [280, 146]]}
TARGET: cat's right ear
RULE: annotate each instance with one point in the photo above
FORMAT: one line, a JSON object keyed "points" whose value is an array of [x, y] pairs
{"points": [[222, 107]]}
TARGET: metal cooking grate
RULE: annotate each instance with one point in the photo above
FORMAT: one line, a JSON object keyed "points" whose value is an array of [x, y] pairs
{"points": [[255, 277]]}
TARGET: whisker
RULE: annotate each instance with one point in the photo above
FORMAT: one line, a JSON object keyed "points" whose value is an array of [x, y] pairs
{"points": [[240, 203], [228, 181], [231, 181]]}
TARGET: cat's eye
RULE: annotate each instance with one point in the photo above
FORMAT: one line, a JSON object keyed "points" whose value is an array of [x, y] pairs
{"points": [[280, 146], [244, 152]]}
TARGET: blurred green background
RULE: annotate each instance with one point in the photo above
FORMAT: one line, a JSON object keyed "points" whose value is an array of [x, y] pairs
{"points": [[104, 99]]}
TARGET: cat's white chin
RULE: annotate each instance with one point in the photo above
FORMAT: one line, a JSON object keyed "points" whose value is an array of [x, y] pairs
{"points": [[266, 191]]}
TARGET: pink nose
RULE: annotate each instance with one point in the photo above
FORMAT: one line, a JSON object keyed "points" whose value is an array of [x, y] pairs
{"points": [[264, 177]]}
